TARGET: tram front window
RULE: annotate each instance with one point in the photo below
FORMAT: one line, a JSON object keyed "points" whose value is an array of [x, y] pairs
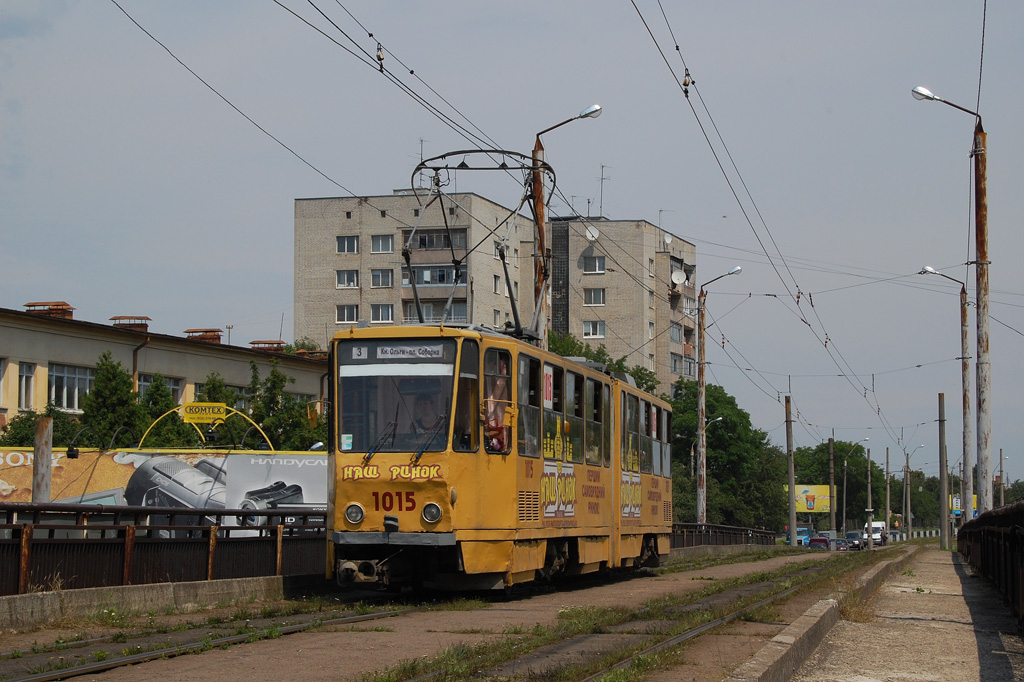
{"points": [[394, 395]]}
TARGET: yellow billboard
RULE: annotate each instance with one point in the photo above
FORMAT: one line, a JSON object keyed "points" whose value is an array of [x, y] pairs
{"points": [[814, 499], [203, 413]]}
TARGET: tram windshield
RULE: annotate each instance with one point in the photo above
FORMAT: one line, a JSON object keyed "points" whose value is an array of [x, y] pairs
{"points": [[394, 395]]}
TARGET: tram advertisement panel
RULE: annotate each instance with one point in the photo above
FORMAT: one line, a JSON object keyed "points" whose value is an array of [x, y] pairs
{"points": [[558, 490], [631, 495]]}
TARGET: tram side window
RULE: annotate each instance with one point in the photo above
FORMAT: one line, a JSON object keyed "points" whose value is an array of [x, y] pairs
{"points": [[498, 387], [465, 435], [608, 415], [574, 417], [646, 464], [666, 439], [554, 399], [595, 422], [656, 431], [529, 396], [630, 433]]}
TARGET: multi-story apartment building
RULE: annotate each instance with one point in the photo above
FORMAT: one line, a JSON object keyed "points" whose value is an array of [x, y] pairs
{"points": [[627, 285], [608, 279], [350, 268]]}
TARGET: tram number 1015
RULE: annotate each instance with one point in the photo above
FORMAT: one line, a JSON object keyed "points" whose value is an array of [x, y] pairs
{"points": [[389, 501]]}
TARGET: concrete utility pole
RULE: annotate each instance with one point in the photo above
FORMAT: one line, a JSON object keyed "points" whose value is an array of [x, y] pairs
{"points": [[943, 483], [42, 457], [983, 366], [870, 509], [887, 510], [831, 484], [792, 476], [1002, 481]]}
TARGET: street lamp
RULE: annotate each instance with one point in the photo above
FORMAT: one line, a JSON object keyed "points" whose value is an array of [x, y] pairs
{"points": [[982, 366], [537, 179], [694, 442], [845, 459], [965, 383], [702, 443]]}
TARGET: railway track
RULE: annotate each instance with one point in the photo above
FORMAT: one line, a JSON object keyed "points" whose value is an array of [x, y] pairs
{"points": [[622, 637]]}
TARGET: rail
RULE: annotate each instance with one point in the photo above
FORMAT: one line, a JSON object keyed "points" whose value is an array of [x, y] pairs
{"points": [[993, 544]]}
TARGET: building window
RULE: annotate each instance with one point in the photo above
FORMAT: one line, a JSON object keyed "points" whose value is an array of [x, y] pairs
{"points": [[515, 257], [381, 279], [348, 244], [593, 296], [3, 375], [497, 284], [175, 385], [650, 299], [69, 385], [675, 332], [650, 330], [415, 213], [689, 366], [382, 243], [26, 371], [675, 363], [593, 329], [593, 265], [348, 215], [382, 312], [348, 313], [435, 239], [348, 279], [689, 306], [451, 210], [430, 275], [650, 361], [650, 267], [383, 214], [497, 318]]}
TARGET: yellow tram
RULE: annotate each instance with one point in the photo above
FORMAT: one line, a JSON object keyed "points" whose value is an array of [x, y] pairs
{"points": [[462, 458]]}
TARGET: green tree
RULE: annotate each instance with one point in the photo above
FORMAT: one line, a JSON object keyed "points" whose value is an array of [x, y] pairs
{"points": [[170, 431], [304, 344], [745, 472], [568, 346], [112, 408], [282, 416], [20, 432]]}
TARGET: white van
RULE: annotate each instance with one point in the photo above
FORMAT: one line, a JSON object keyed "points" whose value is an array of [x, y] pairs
{"points": [[878, 534]]}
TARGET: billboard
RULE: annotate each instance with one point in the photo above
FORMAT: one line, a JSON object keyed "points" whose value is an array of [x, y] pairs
{"points": [[813, 499], [259, 480]]}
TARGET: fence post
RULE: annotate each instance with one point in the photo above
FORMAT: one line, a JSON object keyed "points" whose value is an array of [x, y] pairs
{"points": [[280, 547], [213, 549], [129, 552], [27, 530]]}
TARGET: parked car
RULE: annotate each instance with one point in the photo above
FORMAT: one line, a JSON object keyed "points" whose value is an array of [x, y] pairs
{"points": [[853, 537], [842, 545], [818, 543]]}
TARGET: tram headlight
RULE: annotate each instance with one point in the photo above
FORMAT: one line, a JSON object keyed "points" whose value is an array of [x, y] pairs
{"points": [[354, 513], [431, 512]]}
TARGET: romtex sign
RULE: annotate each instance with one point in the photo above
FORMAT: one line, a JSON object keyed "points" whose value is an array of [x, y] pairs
{"points": [[204, 413]]}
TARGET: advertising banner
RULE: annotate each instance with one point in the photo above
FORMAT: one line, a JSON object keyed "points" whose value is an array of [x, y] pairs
{"points": [[814, 499], [259, 480]]}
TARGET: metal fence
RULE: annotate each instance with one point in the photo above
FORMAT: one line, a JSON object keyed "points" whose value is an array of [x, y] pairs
{"points": [[993, 544], [697, 534], [67, 546], [45, 547]]}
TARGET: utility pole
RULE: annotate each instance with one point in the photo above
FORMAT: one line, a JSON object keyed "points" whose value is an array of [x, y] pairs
{"points": [[1002, 481], [831, 484], [42, 458], [887, 510], [792, 476], [943, 483], [870, 509]]}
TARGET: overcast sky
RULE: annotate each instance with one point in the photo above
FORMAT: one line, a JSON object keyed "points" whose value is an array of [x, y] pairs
{"points": [[128, 187]]}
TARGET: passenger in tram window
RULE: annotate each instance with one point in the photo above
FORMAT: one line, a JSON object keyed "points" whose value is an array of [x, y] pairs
{"points": [[498, 389]]}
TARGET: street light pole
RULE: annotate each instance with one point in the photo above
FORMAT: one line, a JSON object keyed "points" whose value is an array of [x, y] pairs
{"points": [[965, 386], [845, 459], [540, 263], [702, 443], [982, 365], [907, 523]]}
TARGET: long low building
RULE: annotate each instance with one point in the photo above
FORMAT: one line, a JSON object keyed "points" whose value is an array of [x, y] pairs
{"points": [[47, 356]]}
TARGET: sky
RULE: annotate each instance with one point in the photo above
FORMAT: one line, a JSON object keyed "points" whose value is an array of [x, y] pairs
{"points": [[128, 186]]}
